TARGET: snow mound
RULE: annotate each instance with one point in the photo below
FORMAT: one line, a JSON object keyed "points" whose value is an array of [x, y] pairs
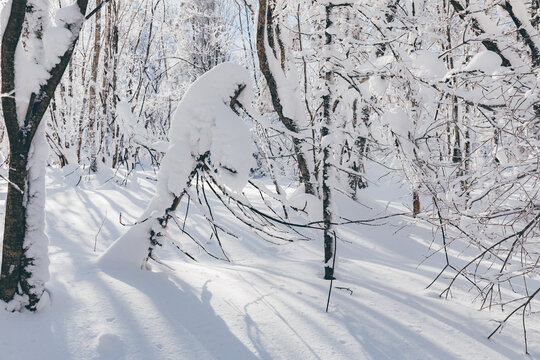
{"points": [[486, 61], [204, 122]]}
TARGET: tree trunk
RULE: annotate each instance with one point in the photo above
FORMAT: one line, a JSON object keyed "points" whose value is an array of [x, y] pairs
{"points": [[15, 224], [24, 257], [265, 36], [329, 239], [93, 113]]}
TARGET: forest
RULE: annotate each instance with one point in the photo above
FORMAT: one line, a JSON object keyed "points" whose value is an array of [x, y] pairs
{"points": [[269, 179]]}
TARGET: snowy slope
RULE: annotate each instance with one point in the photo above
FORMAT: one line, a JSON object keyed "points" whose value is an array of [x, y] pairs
{"points": [[267, 304]]}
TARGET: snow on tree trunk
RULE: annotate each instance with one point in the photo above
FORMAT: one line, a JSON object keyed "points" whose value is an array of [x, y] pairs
{"points": [[36, 256], [206, 136], [34, 57]]}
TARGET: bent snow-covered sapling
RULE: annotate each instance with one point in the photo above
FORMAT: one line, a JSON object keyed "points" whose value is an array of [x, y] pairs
{"points": [[208, 139]]}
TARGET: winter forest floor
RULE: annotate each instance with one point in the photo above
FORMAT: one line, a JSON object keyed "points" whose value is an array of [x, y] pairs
{"points": [[267, 303]]}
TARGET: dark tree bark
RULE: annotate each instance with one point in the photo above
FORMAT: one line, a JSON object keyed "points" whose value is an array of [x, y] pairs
{"points": [[94, 99], [326, 166], [265, 34], [535, 17], [416, 203], [16, 277], [522, 30], [14, 229]]}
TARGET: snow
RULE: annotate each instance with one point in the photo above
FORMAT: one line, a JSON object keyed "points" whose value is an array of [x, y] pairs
{"points": [[428, 65], [36, 57], [398, 121], [4, 16], [266, 304], [310, 203], [377, 86], [123, 109], [29, 75], [36, 241], [69, 15], [486, 61], [205, 122], [131, 249], [56, 40]]}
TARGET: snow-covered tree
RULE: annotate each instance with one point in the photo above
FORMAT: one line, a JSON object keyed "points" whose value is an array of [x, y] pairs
{"points": [[35, 53]]}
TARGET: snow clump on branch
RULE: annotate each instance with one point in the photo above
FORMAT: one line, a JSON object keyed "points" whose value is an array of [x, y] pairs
{"points": [[204, 122]]}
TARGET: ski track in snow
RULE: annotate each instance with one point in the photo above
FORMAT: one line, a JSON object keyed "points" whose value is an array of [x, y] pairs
{"points": [[267, 304]]}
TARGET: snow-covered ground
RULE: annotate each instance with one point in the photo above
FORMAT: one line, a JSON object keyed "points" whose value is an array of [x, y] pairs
{"points": [[268, 303]]}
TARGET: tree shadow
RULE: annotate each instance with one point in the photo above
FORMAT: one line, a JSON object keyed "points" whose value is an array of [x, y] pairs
{"points": [[189, 316]]}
